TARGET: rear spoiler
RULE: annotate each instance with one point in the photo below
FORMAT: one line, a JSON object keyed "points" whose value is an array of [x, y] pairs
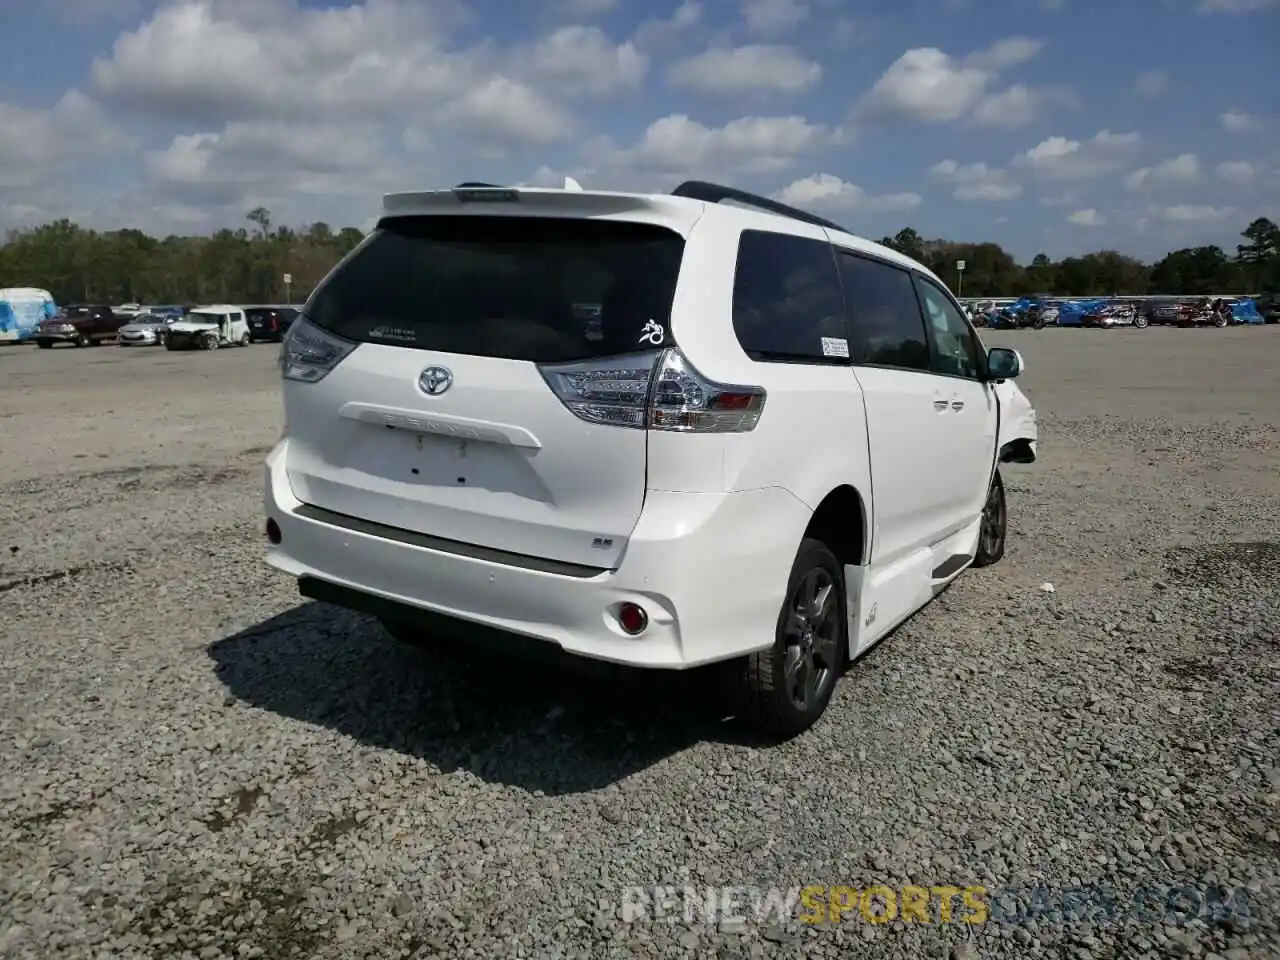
{"points": [[473, 198]]}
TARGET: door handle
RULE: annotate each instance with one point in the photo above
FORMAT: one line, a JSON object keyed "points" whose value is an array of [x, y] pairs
{"points": [[957, 404], [940, 404]]}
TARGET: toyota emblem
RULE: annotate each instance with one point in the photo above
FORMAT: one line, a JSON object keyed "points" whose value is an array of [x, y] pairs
{"points": [[435, 380]]}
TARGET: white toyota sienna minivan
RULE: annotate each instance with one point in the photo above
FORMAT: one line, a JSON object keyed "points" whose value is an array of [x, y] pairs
{"points": [[657, 430]]}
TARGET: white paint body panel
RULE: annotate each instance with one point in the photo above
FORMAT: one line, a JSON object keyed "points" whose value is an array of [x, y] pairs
{"points": [[701, 529]]}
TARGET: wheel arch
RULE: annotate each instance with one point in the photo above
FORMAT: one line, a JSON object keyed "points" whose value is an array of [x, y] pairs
{"points": [[841, 522]]}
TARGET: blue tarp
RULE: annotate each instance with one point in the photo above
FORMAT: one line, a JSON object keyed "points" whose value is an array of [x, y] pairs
{"points": [[22, 309], [1246, 311]]}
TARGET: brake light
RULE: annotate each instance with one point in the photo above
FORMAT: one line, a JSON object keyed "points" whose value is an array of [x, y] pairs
{"points": [[659, 390], [308, 353]]}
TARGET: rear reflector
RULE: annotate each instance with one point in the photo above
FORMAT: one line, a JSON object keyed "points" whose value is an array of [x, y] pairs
{"points": [[632, 618]]}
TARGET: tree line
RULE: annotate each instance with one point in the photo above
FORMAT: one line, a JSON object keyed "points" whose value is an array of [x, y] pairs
{"points": [[248, 265]]}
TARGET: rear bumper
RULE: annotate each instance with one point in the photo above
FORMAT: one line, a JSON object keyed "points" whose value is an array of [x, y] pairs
{"points": [[710, 570]]}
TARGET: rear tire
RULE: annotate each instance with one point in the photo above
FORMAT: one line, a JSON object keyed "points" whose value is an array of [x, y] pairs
{"points": [[245, 340], [1140, 321], [783, 691], [84, 340], [994, 527]]}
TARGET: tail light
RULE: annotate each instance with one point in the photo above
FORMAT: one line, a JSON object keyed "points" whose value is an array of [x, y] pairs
{"points": [[658, 390], [308, 353]]}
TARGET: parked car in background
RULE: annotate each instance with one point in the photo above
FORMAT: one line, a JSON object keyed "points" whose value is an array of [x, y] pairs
{"points": [[208, 328], [84, 325], [1111, 314], [269, 322], [1269, 306], [1162, 310], [144, 330]]}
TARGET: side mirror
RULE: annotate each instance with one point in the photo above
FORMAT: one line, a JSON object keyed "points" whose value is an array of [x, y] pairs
{"points": [[1003, 363]]}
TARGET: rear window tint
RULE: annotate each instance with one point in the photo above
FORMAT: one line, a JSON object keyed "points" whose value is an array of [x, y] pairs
{"points": [[539, 289], [787, 304]]}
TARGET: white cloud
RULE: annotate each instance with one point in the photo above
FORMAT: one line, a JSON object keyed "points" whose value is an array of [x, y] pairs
{"points": [[1194, 213], [928, 85], [1005, 54], [581, 60], [1237, 122], [772, 17], [276, 61], [679, 146], [1237, 171], [507, 111], [1151, 83], [1087, 218], [1184, 168], [738, 71], [1058, 158], [663, 31], [1017, 106], [829, 191], [263, 158], [976, 181], [34, 144]]}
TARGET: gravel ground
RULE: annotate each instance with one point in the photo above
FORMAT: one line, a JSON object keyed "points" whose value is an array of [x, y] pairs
{"points": [[197, 764]]}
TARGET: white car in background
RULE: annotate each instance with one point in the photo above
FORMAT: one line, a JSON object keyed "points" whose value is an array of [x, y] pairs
{"points": [[657, 430], [208, 328]]}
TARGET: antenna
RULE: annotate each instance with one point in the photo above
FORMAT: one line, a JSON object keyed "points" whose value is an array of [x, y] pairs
{"points": [[717, 193], [572, 184]]}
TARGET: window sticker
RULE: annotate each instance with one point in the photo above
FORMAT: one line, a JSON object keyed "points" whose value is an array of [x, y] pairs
{"points": [[653, 333], [835, 347]]}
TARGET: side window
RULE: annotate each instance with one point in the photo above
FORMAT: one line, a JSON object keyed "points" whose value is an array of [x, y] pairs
{"points": [[955, 352], [885, 323], [787, 303]]}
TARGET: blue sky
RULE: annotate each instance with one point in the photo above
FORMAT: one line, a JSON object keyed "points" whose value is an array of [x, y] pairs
{"points": [[1045, 125]]}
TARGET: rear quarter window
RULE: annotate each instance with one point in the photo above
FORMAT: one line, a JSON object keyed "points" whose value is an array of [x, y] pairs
{"points": [[787, 304], [540, 289]]}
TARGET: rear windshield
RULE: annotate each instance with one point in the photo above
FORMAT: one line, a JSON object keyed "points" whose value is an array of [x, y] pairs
{"points": [[539, 289]]}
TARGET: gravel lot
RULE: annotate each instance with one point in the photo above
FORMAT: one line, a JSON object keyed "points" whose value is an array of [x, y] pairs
{"points": [[197, 764]]}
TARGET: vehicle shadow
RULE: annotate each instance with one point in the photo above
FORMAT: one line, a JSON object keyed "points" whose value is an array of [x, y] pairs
{"points": [[538, 726]]}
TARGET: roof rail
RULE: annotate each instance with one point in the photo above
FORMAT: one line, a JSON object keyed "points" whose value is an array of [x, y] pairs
{"points": [[716, 193], [476, 185]]}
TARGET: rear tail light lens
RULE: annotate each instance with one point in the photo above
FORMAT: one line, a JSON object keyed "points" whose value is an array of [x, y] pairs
{"points": [[659, 390], [308, 353]]}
